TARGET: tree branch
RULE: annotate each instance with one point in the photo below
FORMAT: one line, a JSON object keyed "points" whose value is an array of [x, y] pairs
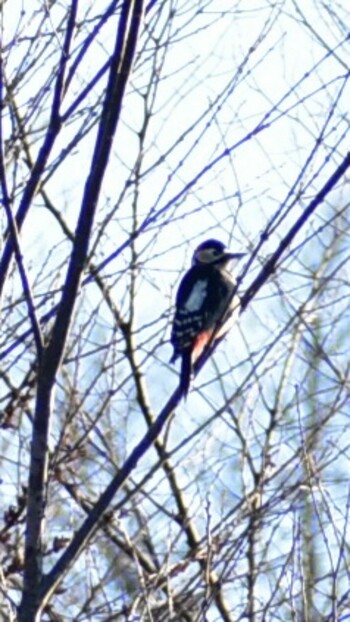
{"points": [[90, 525], [121, 63], [13, 236], [53, 129]]}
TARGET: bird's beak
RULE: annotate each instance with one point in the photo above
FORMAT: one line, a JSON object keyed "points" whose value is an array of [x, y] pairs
{"points": [[235, 255]]}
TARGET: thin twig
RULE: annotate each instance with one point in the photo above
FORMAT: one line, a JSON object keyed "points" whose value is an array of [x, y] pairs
{"points": [[14, 237]]}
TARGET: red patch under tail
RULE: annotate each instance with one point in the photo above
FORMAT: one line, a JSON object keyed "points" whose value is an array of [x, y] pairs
{"points": [[201, 342]]}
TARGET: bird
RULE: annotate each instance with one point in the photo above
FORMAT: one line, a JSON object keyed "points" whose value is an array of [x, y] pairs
{"points": [[205, 307]]}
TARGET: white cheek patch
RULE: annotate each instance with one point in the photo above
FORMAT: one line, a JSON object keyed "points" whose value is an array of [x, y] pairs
{"points": [[197, 296]]}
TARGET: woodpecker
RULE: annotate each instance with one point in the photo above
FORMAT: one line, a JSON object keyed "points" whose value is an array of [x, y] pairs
{"points": [[205, 305]]}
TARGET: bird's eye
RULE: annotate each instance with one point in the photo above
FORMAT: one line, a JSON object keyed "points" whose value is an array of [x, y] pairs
{"points": [[215, 252]]}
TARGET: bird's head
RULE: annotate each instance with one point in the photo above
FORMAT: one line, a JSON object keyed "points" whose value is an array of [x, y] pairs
{"points": [[213, 252]]}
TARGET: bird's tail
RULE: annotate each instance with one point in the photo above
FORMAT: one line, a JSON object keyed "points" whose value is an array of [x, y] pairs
{"points": [[186, 372]]}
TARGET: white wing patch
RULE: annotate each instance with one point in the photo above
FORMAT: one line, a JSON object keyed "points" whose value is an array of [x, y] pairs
{"points": [[197, 296]]}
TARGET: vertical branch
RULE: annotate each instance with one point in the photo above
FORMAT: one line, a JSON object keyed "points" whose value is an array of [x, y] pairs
{"points": [[13, 234], [53, 129], [251, 555], [120, 67]]}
